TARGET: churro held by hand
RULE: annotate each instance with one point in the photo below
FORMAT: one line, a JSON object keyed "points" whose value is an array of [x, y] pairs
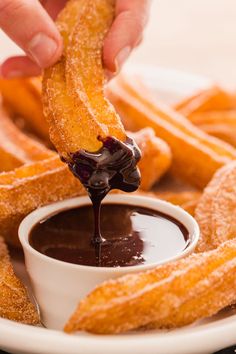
{"points": [[14, 301], [84, 126]]}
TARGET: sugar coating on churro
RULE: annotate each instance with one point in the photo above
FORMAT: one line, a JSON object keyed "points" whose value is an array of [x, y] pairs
{"points": [[171, 295], [73, 89], [215, 211], [31, 186], [14, 301]]}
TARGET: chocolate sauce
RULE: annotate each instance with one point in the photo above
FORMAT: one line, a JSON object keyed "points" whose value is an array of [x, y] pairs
{"points": [[131, 236], [112, 167]]}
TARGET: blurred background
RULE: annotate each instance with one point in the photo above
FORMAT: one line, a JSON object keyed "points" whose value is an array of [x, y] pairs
{"points": [[198, 36], [192, 35]]}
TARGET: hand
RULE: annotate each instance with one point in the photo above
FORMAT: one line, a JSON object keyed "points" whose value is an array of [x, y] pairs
{"points": [[30, 25]]}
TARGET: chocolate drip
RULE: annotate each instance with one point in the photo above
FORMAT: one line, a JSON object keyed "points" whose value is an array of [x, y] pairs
{"points": [[112, 167]]}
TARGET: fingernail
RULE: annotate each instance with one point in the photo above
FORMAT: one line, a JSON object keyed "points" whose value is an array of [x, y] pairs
{"points": [[42, 48], [12, 74], [121, 57]]}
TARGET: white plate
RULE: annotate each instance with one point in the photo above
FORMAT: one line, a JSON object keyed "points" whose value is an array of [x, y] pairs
{"points": [[205, 337]]}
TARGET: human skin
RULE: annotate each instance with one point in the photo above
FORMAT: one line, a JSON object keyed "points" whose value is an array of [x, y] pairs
{"points": [[29, 23]]}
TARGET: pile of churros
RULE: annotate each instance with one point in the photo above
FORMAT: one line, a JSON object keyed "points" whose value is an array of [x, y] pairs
{"points": [[188, 158]]}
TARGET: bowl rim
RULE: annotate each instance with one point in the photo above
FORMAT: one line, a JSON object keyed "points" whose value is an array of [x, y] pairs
{"points": [[44, 212]]}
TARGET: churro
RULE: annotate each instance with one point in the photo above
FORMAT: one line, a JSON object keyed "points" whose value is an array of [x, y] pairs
{"points": [[74, 102], [196, 155], [29, 187], [16, 148], [171, 295], [221, 124], [156, 157], [212, 98], [14, 301], [23, 97], [215, 211]]}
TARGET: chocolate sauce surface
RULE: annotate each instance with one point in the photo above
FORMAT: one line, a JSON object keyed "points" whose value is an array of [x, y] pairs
{"points": [[111, 167], [131, 236]]}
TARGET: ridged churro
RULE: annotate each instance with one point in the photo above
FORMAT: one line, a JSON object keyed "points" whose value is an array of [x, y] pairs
{"points": [[74, 102], [221, 124], [212, 98], [23, 97], [196, 155], [171, 295], [29, 187], [14, 301], [215, 212], [16, 148], [156, 157]]}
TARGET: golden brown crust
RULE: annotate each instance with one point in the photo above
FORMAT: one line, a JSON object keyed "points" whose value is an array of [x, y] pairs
{"points": [[14, 301], [31, 186], [215, 212], [212, 98], [221, 124], [173, 294], [196, 155], [23, 97], [156, 157], [16, 148], [73, 96]]}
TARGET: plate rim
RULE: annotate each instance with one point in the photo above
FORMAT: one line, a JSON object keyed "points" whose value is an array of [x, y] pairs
{"points": [[209, 336]]}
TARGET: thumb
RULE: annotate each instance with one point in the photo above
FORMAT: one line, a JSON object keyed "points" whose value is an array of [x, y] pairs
{"points": [[28, 25]]}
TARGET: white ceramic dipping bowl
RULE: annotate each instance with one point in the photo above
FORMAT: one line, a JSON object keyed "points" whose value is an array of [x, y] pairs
{"points": [[58, 286]]}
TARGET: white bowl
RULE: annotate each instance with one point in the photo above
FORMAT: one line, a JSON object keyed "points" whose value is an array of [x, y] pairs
{"points": [[59, 286]]}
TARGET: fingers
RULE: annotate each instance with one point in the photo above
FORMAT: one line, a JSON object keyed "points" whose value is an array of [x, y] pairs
{"points": [[125, 33], [27, 23], [19, 66]]}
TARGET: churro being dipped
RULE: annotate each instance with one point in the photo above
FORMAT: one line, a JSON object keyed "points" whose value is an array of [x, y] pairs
{"points": [[84, 126]]}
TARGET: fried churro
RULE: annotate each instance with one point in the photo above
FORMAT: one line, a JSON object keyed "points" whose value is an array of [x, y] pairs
{"points": [[16, 148], [29, 187], [14, 301], [221, 124], [171, 295], [74, 102], [156, 157], [196, 155], [215, 211], [212, 98], [23, 97]]}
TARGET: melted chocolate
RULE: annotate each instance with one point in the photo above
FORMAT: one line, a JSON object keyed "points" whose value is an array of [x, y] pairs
{"points": [[132, 236], [112, 167]]}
